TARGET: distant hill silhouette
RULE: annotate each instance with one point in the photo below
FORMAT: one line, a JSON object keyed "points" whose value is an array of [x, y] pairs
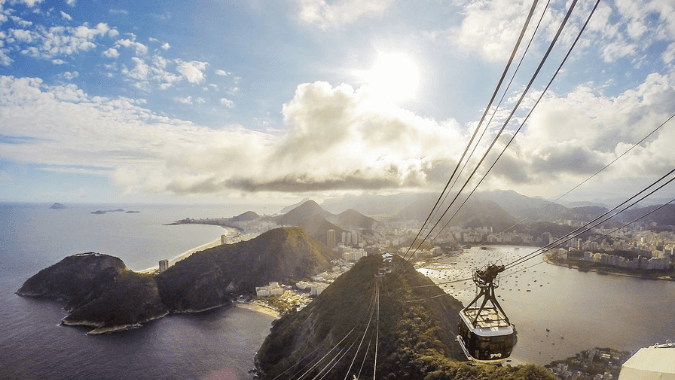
{"points": [[206, 279], [245, 217], [524, 207], [664, 216], [475, 213], [311, 217], [291, 207], [584, 213], [318, 221], [354, 218], [387, 205]]}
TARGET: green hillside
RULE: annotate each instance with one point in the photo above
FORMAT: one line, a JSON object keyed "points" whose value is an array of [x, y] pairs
{"points": [[415, 332], [99, 291], [207, 278]]}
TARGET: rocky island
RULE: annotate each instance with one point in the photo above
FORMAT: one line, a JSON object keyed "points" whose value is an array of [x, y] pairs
{"points": [[101, 292], [57, 206]]}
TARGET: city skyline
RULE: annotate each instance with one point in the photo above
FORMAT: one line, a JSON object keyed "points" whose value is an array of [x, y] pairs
{"points": [[253, 102]]}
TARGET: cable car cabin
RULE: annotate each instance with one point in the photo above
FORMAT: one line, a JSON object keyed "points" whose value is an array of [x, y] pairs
{"points": [[485, 332], [491, 338]]}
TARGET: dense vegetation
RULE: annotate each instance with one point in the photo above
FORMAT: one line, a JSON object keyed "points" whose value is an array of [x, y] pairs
{"points": [[416, 332], [101, 292], [207, 278]]}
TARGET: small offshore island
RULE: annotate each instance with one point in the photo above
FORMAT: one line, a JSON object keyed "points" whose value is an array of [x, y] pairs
{"points": [[303, 244]]}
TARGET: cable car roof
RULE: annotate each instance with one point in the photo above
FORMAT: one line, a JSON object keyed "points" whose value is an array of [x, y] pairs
{"points": [[490, 322]]}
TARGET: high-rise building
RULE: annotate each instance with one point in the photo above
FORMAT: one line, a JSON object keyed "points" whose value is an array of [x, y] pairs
{"points": [[330, 240], [163, 265]]}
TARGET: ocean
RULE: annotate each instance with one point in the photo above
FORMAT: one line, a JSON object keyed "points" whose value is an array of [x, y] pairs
{"points": [[558, 311], [219, 344]]}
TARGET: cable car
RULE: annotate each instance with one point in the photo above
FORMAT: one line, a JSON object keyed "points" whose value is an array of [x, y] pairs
{"points": [[485, 333]]}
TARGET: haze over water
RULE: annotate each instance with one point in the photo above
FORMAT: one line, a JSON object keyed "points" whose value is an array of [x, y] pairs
{"points": [[32, 345], [581, 310]]}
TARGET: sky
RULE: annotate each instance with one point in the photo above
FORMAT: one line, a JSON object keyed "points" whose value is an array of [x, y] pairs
{"points": [[274, 101]]}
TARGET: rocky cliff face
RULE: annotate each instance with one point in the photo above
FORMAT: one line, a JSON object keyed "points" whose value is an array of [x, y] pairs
{"points": [[206, 279], [99, 290]]}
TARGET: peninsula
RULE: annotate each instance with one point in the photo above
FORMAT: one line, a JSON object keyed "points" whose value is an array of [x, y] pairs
{"points": [[101, 292]]}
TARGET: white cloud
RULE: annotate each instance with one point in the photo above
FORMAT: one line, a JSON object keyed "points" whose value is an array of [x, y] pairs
{"points": [[21, 22], [118, 11], [71, 2], [193, 71], [71, 75], [322, 13], [153, 39], [66, 16], [334, 138], [111, 53], [619, 29], [572, 136], [29, 3], [222, 72], [139, 72], [187, 100], [200, 100], [5, 60], [137, 46], [58, 61], [24, 35], [166, 46], [227, 102], [492, 28], [48, 43]]}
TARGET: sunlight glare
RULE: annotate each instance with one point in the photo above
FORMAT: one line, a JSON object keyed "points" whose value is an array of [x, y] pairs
{"points": [[394, 76]]}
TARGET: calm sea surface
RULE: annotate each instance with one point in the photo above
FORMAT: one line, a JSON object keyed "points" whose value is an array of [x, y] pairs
{"points": [[580, 310], [214, 345]]}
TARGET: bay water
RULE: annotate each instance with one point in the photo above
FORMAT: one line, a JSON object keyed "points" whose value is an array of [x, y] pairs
{"points": [[559, 311]]}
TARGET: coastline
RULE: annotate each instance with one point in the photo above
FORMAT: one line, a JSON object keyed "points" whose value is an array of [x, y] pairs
{"points": [[228, 232], [254, 306], [598, 271]]}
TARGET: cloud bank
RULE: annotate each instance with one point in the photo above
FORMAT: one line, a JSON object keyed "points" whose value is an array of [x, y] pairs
{"points": [[335, 139]]}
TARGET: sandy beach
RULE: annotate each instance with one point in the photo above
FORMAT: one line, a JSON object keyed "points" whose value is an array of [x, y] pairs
{"points": [[257, 308], [227, 232]]}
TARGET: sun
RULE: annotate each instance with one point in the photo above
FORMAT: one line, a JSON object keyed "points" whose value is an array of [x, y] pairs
{"points": [[394, 76]]}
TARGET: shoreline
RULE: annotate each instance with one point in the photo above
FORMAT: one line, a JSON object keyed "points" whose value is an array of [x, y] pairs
{"points": [[229, 232], [258, 308], [547, 260]]}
